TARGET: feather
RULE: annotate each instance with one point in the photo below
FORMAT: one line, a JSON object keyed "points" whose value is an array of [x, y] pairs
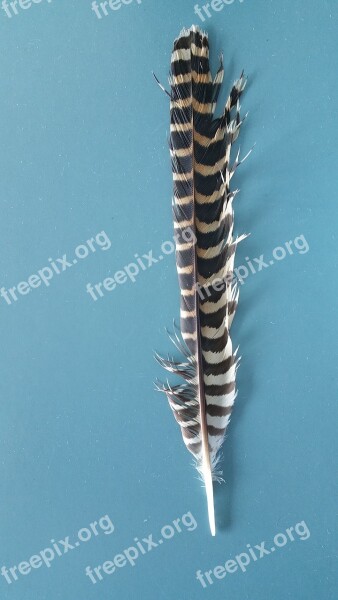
{"points": [[200, 146]]}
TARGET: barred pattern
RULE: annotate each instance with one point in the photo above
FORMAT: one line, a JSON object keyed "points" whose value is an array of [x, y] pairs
{"points": [[200, 148]]}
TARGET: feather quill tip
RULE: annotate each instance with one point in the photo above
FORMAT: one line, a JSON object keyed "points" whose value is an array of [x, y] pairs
{"points": [[210, 502]]}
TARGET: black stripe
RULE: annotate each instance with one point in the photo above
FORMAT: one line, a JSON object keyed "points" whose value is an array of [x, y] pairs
{"points": [[220, 368], [207, 267], [209, 212], [181, 164], [213, 319], [203, 92], [191, 345], [232, 307], [186, 211], [218, 411], [186, 281], [188, 303], [180, 91], [207, 293], [183, 42], [198, 39], [182, 234], [191, 432], [180, 115], [213, 238], [210, 155], [207, 184], [185, 258], [235, 94], [214, 344], [188, 325], [180, 139], [183, 416], [181, 67], [215, 431], [200, 64], [183, 189], [220, 390]]}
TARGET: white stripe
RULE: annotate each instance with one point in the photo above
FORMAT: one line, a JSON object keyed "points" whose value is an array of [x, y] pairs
{"points": [[219, 422], [212, 251], [183, 224], [186, 246], [178, 407], [181, 54], [185, 270], [189, 336], [182, 176], [224, 401], [193, 440], [187, 313], [213, 333]]}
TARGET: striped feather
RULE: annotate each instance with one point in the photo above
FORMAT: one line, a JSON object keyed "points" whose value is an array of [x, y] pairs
{"points": [[200, 147]]}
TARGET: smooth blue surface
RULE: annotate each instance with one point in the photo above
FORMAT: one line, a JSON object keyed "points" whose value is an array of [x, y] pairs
{"points": [[83, 434]]}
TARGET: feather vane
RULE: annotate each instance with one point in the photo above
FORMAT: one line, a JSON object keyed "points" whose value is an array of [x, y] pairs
{"points": [[200, 148]]}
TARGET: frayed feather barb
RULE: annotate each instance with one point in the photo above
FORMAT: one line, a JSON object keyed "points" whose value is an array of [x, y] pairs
{"points": [[200, 148]]}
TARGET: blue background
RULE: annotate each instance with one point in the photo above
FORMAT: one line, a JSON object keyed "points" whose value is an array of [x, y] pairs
{"points": [[82, 432]]}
